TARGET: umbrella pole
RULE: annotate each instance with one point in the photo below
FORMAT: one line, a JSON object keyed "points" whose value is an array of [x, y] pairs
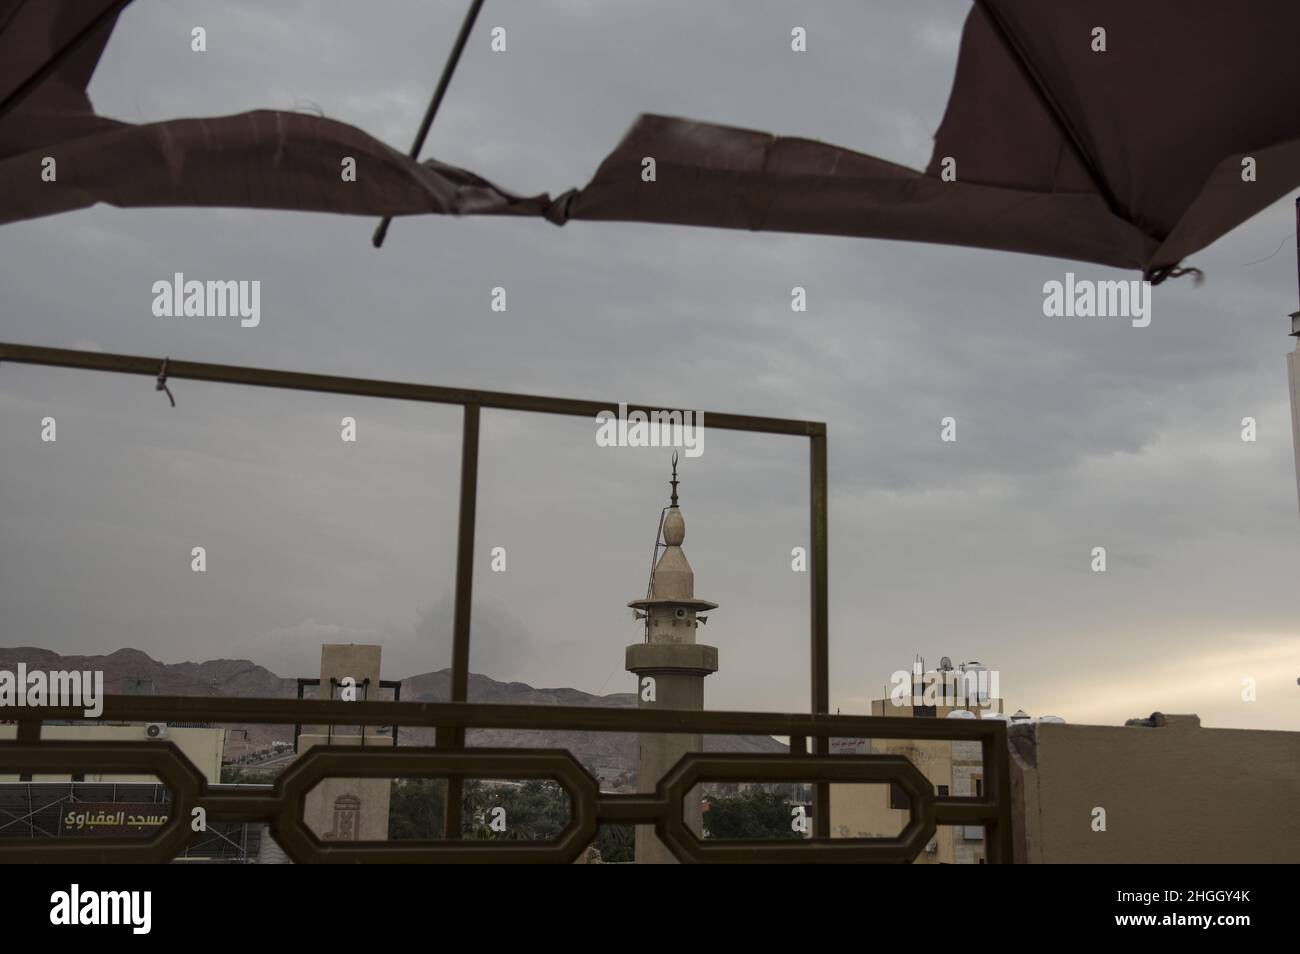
{"points": [[1293, 367]]}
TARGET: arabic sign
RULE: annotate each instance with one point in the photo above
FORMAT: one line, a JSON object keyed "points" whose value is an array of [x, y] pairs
{"points": [[113, 819], [850, 746]]}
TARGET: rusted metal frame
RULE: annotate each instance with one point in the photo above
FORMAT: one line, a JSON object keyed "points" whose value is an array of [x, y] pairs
{"points": [[473, 401], [458, 718], [992, 811], [128, 708], [303, 845], [242, 803], [627, 809], [997, 790], [369, 387], [694, 770], [455, 735], [394, 684], [283, 805], [160, 759], [479, 715], [820, 608]]}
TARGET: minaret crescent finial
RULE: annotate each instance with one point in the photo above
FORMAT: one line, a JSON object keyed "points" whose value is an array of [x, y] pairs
{"points": [[674, 480]]}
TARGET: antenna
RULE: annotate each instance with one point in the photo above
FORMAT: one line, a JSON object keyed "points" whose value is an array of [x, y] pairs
{"points": [[650, 586], [659, 542]]}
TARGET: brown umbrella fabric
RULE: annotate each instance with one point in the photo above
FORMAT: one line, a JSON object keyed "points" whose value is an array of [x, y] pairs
{"points": [[1121, 133]]}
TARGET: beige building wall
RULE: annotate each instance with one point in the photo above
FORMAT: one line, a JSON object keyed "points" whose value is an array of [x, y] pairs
{"points": [[1177, 793], [203, 747], [967, 780], [346, 809], [864, 811]]}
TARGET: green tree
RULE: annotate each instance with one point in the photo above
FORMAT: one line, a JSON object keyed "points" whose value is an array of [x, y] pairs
{"points": [[415, 809], [616, 843], [536, 811], [235, 775], [755, 814]]}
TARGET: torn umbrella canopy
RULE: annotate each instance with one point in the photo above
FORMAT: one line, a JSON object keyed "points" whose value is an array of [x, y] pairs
{"points": [[1107, 131]]}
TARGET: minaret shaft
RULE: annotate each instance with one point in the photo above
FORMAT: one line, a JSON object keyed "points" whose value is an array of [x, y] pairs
{"points": [[670, 667]]}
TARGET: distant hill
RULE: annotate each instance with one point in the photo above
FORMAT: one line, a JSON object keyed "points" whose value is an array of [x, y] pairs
{"points": [[610, 756], [217, 677]]}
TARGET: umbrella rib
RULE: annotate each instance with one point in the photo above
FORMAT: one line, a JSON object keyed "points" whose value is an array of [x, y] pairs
{"points": [[1058, 116], [59, 55], [443, 82]]}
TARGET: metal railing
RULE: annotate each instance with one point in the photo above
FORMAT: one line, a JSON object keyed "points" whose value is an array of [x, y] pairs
{"points": [[282, 807]]}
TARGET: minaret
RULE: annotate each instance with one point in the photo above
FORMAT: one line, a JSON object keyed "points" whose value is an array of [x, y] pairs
{"points": [[670, 667]]}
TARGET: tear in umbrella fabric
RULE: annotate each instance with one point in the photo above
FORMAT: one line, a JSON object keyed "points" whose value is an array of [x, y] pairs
{"points": [[1130, 156]]}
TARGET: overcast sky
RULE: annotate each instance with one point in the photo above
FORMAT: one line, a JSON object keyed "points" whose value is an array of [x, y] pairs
{"points": [[1072, 434]]}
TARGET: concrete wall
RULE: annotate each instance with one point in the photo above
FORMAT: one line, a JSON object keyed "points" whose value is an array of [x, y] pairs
{"points": [[203, 747], [1177, 793]]}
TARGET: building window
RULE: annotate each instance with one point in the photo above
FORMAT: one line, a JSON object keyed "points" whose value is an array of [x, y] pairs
{"points": [[921, 711], [978, 780], [943, 791], [898, 799]]}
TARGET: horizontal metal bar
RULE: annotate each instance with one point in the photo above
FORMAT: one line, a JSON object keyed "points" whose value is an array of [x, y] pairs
{"points": [[473, 715], [368, 387], [950, 810], [625, 808], [240, 804]]}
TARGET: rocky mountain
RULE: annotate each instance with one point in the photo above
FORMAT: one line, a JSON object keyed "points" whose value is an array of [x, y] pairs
{"points": [[610, 756]]}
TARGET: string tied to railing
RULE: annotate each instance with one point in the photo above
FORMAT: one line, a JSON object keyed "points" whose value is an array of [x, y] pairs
{"points": [[161, 383]]}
